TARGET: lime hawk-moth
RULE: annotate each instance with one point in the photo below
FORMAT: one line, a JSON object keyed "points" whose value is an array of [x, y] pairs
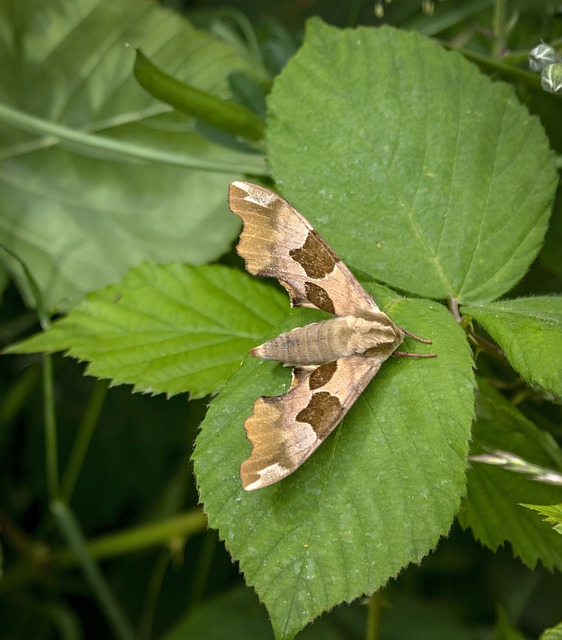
{"points": [[333, 360]]}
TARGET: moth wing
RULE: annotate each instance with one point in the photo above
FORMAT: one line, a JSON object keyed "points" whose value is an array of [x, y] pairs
{"points": [[285, 430], [278, 242]]}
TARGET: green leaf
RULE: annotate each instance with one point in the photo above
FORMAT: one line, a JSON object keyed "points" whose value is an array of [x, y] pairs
{"points": [[552, 514], [554, 633], [529, 330], [98, 176], [234, 614], [550, 254], [238, 614], [504, 629], [166, 329], [376, 496], [223, 114], [423, 618], [416, 166], [493, 508]]}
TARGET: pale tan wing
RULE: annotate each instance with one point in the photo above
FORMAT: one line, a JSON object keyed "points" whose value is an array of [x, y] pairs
{"points": [[278, 242], [285, 430]]}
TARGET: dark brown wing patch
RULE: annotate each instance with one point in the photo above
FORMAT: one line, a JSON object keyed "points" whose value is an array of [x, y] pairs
{"points": [[322, 375], [321, 412], [315, 256]]}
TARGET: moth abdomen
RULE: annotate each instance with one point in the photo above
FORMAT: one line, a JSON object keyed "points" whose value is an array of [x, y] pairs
{"points": [[315, 343]]}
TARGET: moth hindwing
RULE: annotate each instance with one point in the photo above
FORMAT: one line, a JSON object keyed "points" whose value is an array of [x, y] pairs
{"points": [[333, 360]]}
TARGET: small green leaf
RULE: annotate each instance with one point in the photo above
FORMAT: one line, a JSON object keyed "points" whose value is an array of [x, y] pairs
{"points": [[529, 330], [554, 633], [167, 329], [504, 629], [223, 114], [552, 514], [493, 507], [424, 171], [377, 494]]}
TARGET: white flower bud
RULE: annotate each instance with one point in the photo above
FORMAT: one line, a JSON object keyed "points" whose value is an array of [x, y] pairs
{"points": [[542, 56], [551, 78]]}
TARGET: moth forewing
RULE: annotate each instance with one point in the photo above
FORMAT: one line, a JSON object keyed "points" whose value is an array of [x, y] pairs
{"points": [[278, 242], [334, 359], [285, 430]]}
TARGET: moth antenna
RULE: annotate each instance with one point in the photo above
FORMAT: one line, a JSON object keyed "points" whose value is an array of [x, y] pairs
{"points": [[414, 336], [415, 355]]}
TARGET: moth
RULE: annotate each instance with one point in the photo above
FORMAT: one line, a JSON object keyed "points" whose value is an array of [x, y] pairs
{"points": [[333, 360]]}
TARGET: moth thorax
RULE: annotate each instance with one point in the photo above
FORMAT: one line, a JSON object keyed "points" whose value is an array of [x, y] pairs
{"points": [[326, 341], [375, 336]]}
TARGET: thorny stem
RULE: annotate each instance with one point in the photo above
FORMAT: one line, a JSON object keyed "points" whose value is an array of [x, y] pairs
{"points": [[373, 617], [485, 345], [481, 343], [454, 309]]}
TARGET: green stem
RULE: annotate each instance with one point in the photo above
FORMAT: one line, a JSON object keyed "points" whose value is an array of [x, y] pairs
{"points": [[142, 537], [203, 568], [373, 616], [225, 115], [70, 530], [252, 47], [16, 397], [57, 133], [353, 13], [152, 592], [83, 438], [37, 556], [51, 441], [500, 29], [505, 71]]}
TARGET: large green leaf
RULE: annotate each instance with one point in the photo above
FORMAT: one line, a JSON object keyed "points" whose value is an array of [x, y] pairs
{"points": [[97, 175], [166, 329], [428, 174], [529, 330], [493, 508], [376, 496]]}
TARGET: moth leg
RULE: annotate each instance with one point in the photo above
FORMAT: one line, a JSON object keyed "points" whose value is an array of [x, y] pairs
{"points": [[415, 355], [414, 336]]}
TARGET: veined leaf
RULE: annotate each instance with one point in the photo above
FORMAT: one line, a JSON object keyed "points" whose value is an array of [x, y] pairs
{"points": [[167, 329], [377, 494], [493, 507], [427, 174], [529, 330]]}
